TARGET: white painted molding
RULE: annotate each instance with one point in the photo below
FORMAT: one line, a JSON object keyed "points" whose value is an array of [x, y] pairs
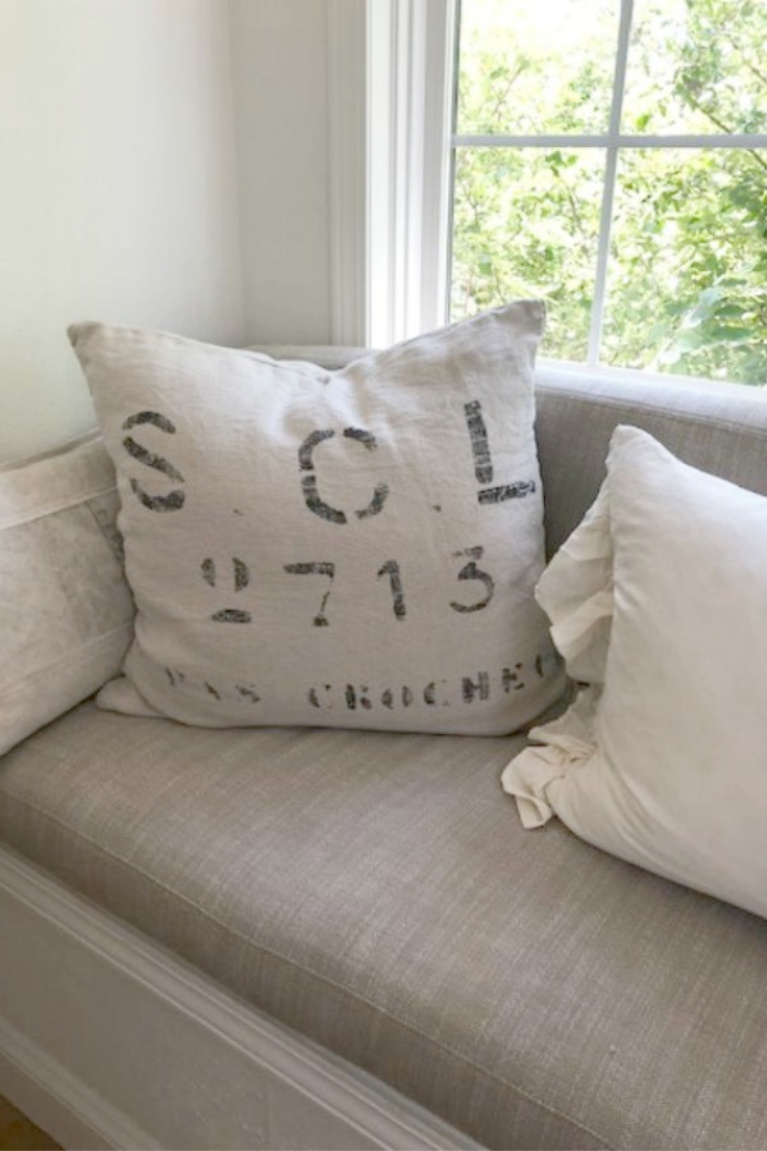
{"points": [[409, 62], [347, 166], [108, 1040], [60, 1102]]}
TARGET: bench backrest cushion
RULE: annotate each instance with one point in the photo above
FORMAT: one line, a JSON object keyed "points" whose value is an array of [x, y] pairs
{"points": [[721, 429]]}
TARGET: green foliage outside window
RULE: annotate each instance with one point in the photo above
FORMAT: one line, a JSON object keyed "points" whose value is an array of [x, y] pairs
{"points": [[687, 276]]}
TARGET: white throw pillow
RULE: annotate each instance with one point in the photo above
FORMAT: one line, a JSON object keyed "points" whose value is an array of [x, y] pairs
{"points": [[355, 548], [659, 601], [66, 612]]}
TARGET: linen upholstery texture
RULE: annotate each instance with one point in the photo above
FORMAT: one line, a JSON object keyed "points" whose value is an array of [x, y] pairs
{"points": [[407, 482], [722, 430], [376, 893], [66, 612]]}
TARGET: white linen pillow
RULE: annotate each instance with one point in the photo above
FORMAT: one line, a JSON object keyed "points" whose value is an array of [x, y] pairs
{"points": [[66, 612], [659, 601], [351, 549]]}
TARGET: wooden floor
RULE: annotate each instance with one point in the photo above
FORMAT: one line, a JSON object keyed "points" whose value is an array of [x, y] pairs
{"points": [[18, 1134]]}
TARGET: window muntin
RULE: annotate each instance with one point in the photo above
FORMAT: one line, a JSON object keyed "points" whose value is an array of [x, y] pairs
{"points": [[517, 85], [696, 67], [652, 257]]}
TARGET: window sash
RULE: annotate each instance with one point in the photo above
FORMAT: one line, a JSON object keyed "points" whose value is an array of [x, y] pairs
{"points": [[412, 65]]}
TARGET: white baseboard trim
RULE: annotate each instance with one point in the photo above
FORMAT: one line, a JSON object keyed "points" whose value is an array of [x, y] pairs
{"points": [[107, 1040], [59, 1102]]}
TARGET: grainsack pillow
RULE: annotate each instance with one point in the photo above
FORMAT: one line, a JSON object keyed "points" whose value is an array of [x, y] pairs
{"points": [[66, 613], [354, 548], [659, 601]]}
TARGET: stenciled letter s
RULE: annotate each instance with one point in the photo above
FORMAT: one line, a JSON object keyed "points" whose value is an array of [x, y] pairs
{"points": [[174, 501]]}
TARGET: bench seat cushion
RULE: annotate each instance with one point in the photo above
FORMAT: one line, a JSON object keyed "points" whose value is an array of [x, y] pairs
{"points": [[376, 893]]}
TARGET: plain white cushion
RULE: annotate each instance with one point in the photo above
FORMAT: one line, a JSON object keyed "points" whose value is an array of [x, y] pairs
{"points": [[659, 602], [351, 548]]}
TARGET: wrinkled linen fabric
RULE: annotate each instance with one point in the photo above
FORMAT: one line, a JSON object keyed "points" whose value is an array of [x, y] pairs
{"points": [[662, 760], [66, 613], [351, 548]]}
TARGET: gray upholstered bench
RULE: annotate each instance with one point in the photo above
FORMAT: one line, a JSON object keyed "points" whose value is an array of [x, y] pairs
{"points": [[262, 938]]}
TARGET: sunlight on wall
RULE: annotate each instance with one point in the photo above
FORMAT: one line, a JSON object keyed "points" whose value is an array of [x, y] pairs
{"points": [[118, 198]]}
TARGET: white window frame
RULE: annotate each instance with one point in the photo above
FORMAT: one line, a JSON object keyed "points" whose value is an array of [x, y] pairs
{"points": [[399, 277], [389, 67], [410, 63], [347, 175]]}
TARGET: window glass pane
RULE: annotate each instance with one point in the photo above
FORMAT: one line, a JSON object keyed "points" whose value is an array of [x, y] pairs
{"points": [[697, 66], [526, 223], [687, 286], [536, 66]]}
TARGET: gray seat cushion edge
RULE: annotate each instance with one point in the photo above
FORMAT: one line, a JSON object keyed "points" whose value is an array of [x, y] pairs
{"points": [[275, 983], [376, 894]]}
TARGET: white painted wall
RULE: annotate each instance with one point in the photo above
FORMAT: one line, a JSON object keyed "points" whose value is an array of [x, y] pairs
{"points": [[163, 163], [279, 51], [118, 196]]}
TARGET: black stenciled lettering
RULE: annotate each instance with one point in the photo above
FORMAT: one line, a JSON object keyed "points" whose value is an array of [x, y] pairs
{"points": [[317, 505], [142, 454], [248, 691], [208, 569], [539, 666], [240, 580], [473, 689], [470, 571], [309, 484], [510, 678], [313, 696], [381, 491], [376, 504], [480, 445], [351, 697], [363, 698], [172, 502], [507, 492], [391, 568], [241, 574], [314, 568], [305, 452], [362, 437], [483, 461], [213, 691], [174, 676], [389, 699], [430, 694], [151, 459], [231, 615]]}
